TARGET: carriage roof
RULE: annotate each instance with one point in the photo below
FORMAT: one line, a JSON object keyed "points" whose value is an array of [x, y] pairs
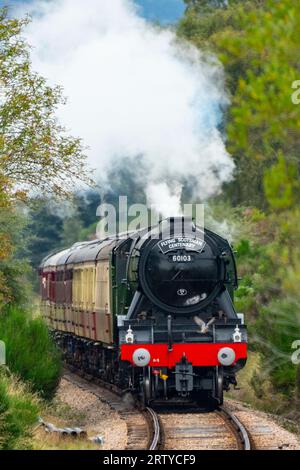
{"points": [[82, 252]]}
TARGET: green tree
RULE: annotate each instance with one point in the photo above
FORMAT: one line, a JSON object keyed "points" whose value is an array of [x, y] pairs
{"points": [[71, 230], [35, 150], [43, 231], [257, 42], [202, 5], [13, 266], [281, 184]]}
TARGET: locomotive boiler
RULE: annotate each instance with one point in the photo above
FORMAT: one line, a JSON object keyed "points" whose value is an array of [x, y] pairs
{"points": [[151, 311]]}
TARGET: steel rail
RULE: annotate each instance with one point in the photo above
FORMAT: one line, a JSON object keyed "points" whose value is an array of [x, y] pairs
{"points": [[240, 430], [156, 429]]}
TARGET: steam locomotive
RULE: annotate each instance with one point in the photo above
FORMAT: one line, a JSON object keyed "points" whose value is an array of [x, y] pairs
{"points": [[151, 311]]}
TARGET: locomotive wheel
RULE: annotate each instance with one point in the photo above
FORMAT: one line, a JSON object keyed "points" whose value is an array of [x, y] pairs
{"points": [[146, 388], [219, 385]]}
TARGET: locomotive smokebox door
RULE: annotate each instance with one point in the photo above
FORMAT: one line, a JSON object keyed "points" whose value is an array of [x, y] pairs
{"points": [[184, 382]]}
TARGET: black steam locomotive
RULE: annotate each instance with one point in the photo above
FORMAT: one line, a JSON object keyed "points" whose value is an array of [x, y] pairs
{"points": [[152, 312]]}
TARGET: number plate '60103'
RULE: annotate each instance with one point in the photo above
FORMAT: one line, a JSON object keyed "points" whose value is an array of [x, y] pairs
{"points": [[181, 258]]}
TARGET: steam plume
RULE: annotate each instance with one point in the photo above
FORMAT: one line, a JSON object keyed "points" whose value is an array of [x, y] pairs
{"points": [[134, 89]]}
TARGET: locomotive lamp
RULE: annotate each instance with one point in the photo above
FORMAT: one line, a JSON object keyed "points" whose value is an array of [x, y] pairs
{"points": [[237, 335], [129, 338], [141, 357], [226, 356]]}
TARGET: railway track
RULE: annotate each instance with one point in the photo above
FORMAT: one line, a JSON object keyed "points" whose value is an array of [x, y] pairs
{"points": [[242, 435], [143, 426], [156, 429], [216, 430]]}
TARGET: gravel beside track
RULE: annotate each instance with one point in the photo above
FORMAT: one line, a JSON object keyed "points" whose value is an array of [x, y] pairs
{"points": [[125, 427]]}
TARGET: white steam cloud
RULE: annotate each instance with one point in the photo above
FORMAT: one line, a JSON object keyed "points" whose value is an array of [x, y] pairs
{"points": [[133, 90]]}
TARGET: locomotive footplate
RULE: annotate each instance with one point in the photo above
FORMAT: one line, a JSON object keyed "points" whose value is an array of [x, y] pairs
{"points": [[184, 377]]}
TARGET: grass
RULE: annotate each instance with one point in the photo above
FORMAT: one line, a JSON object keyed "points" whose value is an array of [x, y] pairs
{"points": [[256, 388], [19, 410], [64, 413], [257, 391], [30, 352], [28, 384], [32, 373], [61, 415]]}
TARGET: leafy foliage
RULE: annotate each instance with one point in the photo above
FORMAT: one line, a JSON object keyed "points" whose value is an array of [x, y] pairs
{"points": [[30, 351], [202, 5], [257, 41], [43, 230], [13, 265], [19, 411], [268, 292], [281, 184], [36, 153], [35, 150]]}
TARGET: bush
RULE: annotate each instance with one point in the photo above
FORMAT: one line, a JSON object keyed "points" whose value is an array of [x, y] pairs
{"points": [[276, 329], [19, 410], [30, 352]]}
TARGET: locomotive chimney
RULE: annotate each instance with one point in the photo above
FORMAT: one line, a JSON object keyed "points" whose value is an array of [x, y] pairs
{"points": [[181, 226]]}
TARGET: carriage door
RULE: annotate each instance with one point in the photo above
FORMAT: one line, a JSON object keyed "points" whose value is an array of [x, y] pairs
{"points": [[103, 308]]}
